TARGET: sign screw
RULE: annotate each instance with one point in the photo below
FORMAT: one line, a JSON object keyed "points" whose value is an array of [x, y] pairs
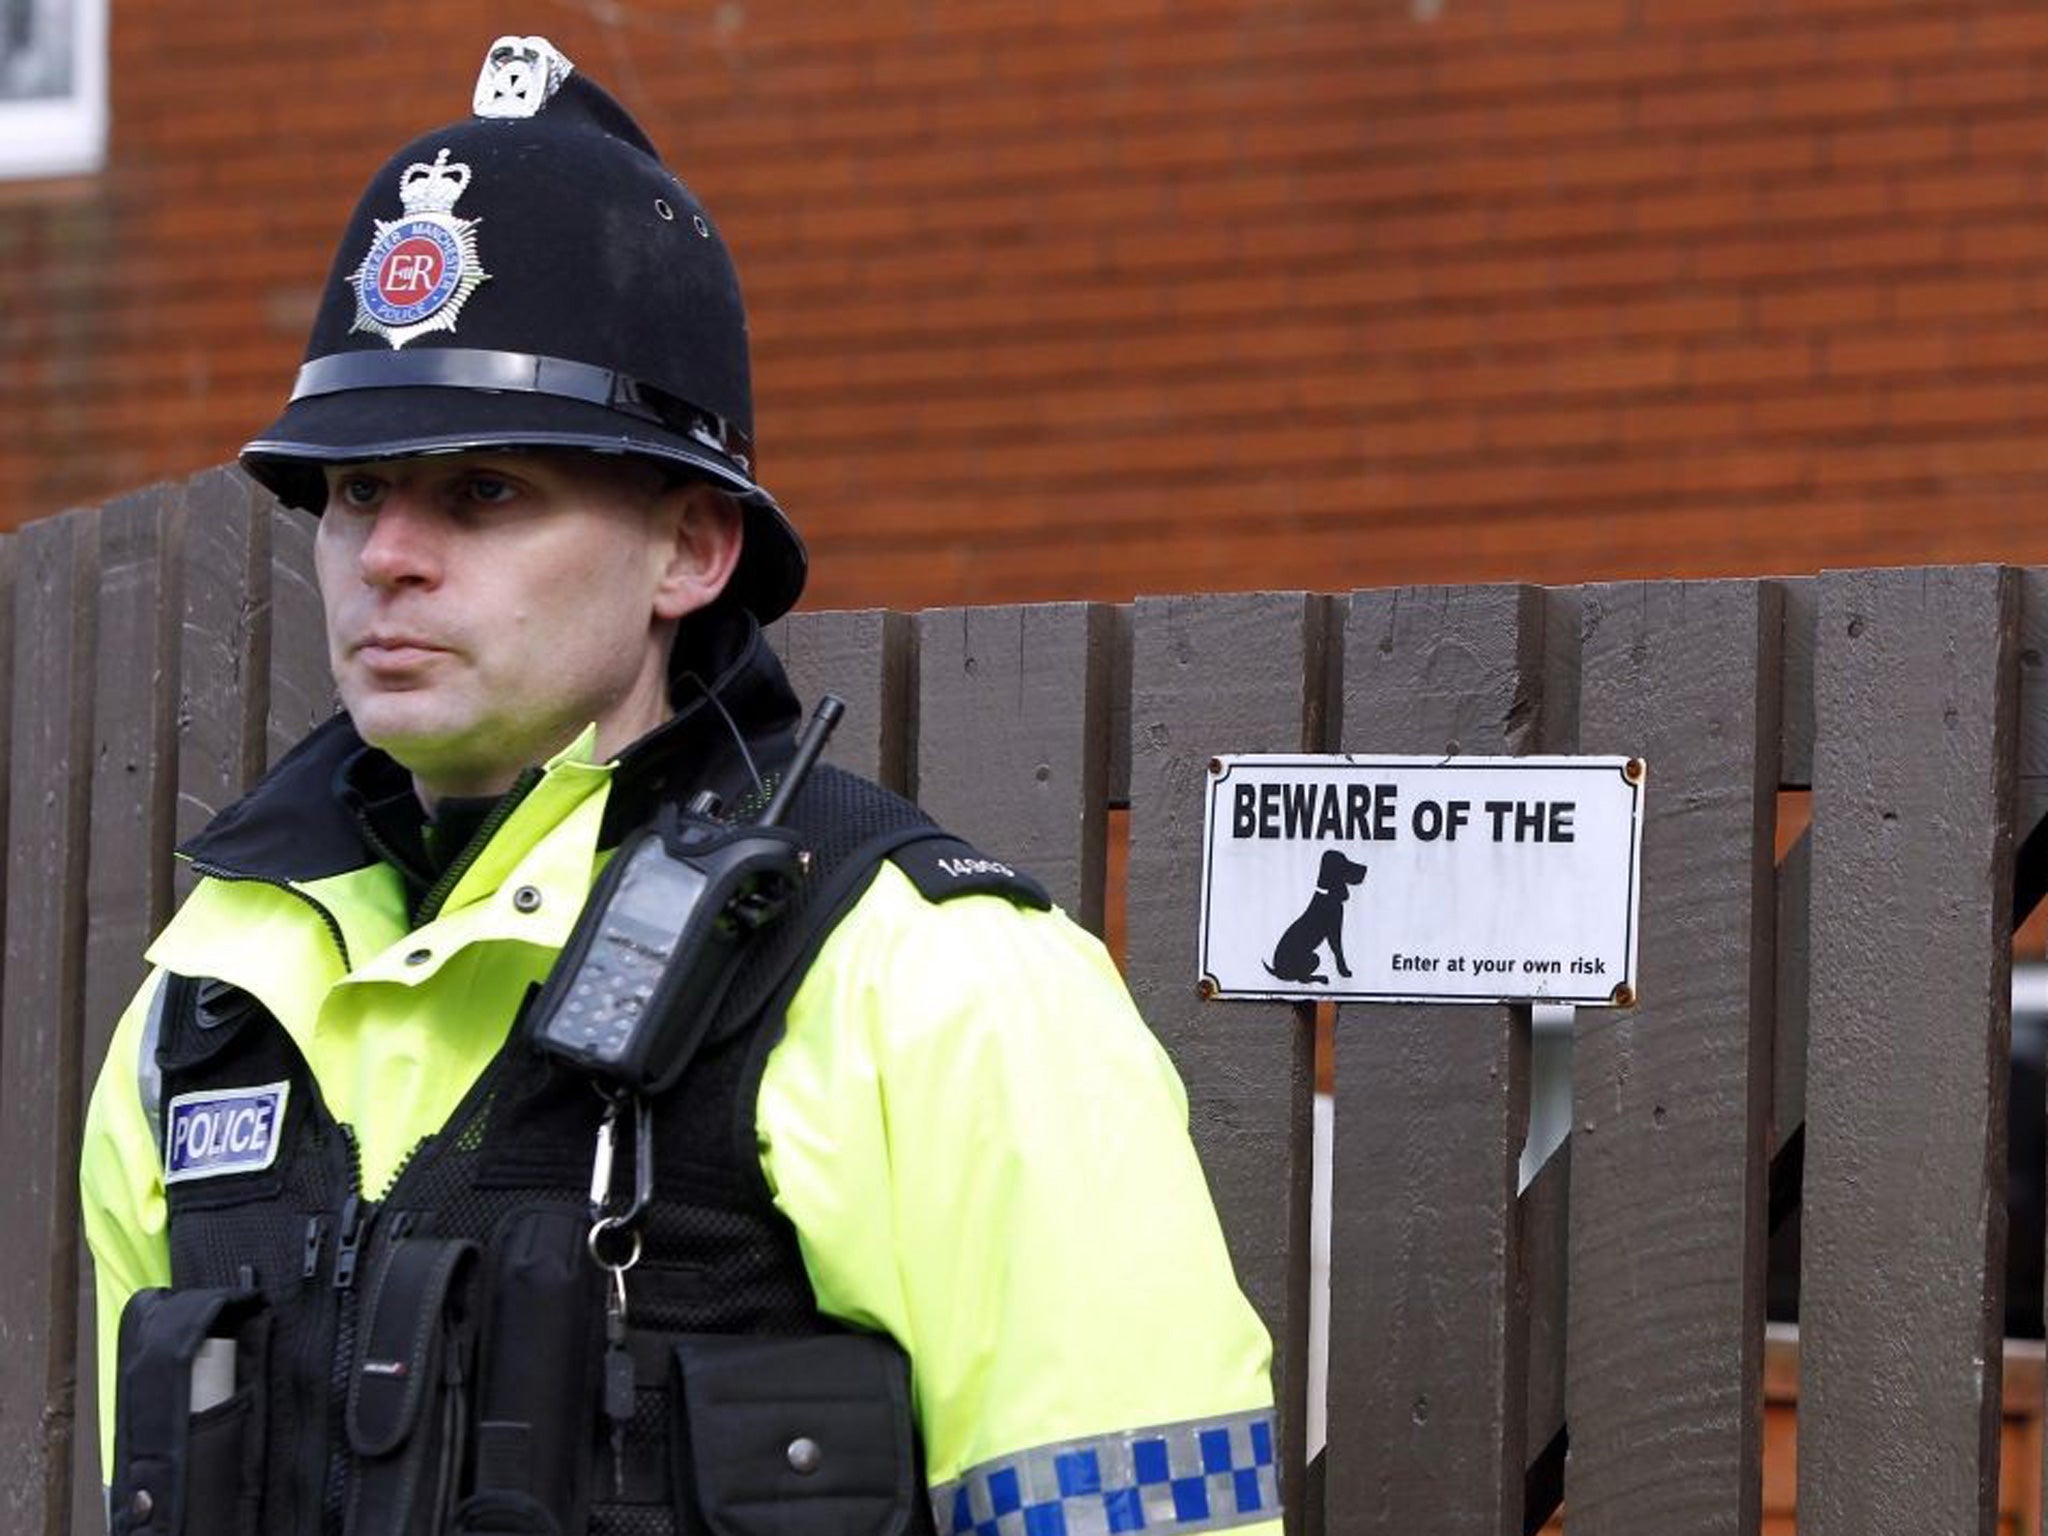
{"points": [[1634, 769], [1206, 988], [1624, 995], [1216, 765]]}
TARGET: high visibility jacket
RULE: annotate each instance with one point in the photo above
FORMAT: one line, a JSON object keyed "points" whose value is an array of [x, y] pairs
{"points": [[981, 1150]]}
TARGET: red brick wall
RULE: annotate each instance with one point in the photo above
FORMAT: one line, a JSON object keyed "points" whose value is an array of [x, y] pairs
{"points": [[1088, 297]]}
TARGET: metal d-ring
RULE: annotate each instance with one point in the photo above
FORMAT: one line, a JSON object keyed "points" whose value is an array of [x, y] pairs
{"points": [[602, 1229]]}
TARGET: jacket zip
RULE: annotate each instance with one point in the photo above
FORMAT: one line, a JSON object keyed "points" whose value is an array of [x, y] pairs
{"points": [[430, 904], [510, 801], [218, 872], [352, 1231]]}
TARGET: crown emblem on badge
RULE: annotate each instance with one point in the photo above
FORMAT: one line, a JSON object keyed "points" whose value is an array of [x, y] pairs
{"points": [[432, 188], [422, 267]]}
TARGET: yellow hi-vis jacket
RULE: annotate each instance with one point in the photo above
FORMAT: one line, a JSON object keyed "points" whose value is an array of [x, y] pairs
{"points": [[982, 1149]]}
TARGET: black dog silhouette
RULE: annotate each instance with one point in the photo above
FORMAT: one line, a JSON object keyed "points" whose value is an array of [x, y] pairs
{"points": [[1321, 922]]}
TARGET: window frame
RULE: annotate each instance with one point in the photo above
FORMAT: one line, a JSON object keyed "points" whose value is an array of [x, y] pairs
{"points": [[63, 135]]}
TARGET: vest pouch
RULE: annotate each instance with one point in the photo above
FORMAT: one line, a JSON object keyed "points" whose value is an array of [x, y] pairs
{"points": [[537, 1378], [408, 1409], [189, 1414], [794, 1436]]}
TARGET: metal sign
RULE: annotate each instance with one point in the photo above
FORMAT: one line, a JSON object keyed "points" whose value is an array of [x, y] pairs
{"points": [[1422, 879]]}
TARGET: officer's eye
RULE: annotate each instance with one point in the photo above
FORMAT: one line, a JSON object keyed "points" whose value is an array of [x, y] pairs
{"points": [[490, 489], [356, 491]]}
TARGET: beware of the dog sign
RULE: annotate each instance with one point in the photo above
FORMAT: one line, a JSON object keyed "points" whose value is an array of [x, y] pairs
{"points": [[1425, 879]]}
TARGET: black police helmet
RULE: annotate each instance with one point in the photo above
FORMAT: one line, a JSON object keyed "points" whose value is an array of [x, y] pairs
{"points": [[534, 277]]}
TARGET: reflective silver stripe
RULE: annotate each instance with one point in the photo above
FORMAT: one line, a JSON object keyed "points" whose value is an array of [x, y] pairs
{"points": [[1196, 1475], [149, 1081]]}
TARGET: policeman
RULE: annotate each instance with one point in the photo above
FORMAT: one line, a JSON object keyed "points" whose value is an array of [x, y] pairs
{"points": [[904, 1233]]}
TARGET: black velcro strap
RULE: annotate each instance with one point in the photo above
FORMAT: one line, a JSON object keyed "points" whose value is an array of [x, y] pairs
{"points": [[944, 867]]}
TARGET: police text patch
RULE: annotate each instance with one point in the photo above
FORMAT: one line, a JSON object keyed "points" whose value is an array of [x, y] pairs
{"points": [[223, 1130]]}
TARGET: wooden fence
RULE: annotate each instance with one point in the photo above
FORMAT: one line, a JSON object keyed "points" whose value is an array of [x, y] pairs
{"points": [[1841, 1012]]}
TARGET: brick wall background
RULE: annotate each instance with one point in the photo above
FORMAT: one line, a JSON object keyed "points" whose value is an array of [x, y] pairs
{"points": [[1088, 297]]}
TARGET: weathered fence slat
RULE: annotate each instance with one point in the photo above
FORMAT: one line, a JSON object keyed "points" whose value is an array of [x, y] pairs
{"points": [[224, 645], [40, 1070], [1671, 1098], [869, 659], [1012, 753], [1909, 1035], [1209, 675], [128, 878], [1427, 1339]]}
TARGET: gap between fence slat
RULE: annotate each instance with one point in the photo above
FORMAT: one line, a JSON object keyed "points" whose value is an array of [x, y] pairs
{"points": [[1117, 685], [1802, 613], [2030, 804], [1795, 967]]}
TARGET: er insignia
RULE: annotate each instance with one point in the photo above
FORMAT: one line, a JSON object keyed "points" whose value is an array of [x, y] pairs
{"points": [[422, 267]]}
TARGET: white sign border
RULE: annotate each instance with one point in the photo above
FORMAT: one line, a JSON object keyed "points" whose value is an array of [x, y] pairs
{"points": [[1632, 770]]}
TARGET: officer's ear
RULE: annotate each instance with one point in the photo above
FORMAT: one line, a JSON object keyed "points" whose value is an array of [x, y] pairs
{"points": [[700, 531]]}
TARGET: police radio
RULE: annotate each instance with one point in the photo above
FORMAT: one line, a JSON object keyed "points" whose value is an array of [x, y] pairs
{"points": [[657, 946]]}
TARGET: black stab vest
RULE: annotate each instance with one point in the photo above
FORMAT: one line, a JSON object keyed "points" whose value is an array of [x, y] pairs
{"points": [[510, 1173]]}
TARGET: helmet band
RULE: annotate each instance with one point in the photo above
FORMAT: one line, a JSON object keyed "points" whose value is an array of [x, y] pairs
{"points": [[523, 373]]}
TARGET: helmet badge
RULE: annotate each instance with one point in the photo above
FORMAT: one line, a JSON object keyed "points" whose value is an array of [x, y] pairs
{"points": [[518, 77], [422, 267]]}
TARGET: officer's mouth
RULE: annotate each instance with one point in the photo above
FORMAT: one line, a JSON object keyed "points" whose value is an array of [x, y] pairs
{"points": [[396, 653]]}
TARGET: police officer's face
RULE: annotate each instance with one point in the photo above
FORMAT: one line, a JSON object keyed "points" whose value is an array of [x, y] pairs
{"points": [[483, 608]]}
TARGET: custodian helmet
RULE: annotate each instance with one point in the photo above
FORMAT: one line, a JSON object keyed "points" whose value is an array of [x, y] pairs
{"points": [[534, 277]]}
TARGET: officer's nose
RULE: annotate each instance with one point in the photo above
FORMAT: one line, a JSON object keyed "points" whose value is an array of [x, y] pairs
{"points": [[402, 544]]}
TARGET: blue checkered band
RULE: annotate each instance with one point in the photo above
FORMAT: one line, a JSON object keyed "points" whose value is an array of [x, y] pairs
{"points": [[1201, 1475]]}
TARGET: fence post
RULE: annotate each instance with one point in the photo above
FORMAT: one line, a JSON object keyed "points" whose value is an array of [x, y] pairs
{"points": [[223, 678], [1428, 1357], [1012, 749], [1671, 1098], [50, 773], [134, 783], [301, 685], [1901, 1302]]}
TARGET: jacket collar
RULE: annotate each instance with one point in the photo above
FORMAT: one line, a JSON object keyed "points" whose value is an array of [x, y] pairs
{"points": [[733, 704]]}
